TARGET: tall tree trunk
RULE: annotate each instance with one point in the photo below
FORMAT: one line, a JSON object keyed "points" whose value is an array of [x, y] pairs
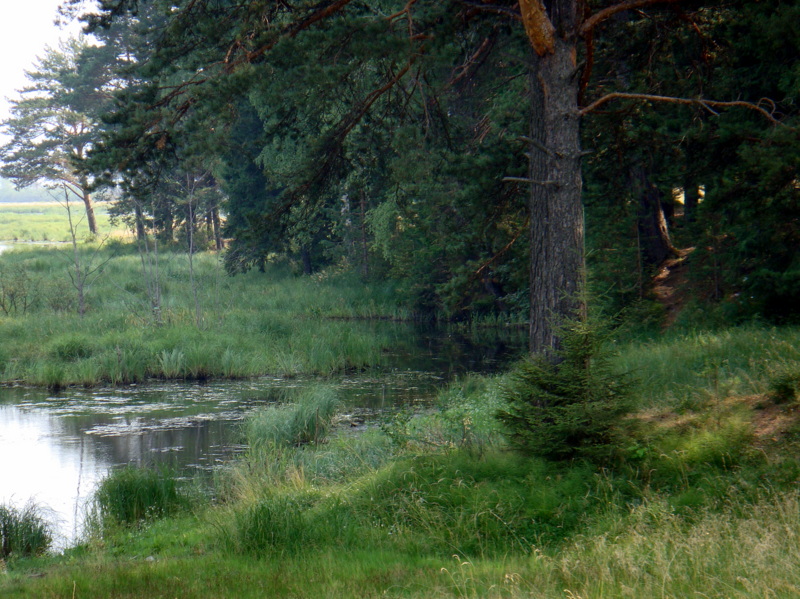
{"points": [[654, 241], [556, 211], [138, 215], [217, 228], [305, 256], [364, 245], [87, 202], [190, 227]]}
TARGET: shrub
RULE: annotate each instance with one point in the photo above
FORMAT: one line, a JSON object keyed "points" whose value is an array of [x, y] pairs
{"points": [[784, 384], [24, 532], [567, 408]]}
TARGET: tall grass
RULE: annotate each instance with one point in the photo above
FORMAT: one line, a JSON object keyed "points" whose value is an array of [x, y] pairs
{"points": [[653, 552], [44, 221], [700, 511], [23, 532], [307, 420], [133, 495], [271, 323], [688, 369]]}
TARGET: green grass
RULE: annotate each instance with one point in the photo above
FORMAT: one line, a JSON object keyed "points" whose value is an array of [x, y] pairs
{"points": [[24, 532], [307, 420], [689, 368], [133, 495], [271, 323], [47, 221], [423, 515], [699, 499]]}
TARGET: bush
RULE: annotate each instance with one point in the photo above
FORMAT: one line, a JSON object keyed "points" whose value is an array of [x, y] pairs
{"points": [[784, 384], [23, 533], [568, 407]]}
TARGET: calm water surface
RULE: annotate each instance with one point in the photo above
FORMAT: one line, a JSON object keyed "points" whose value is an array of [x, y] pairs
{"points": [[55, 448]]}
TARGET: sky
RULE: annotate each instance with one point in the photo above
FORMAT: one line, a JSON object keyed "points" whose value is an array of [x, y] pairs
{"points": [[26, 28]]}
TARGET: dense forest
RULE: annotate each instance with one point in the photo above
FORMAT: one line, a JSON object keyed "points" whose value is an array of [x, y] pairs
{"points": [[459, 147]]}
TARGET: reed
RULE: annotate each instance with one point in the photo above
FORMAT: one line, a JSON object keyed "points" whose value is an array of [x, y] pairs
{"points": [[132, 495], [24, 532], [306, 421], [254, 324]]}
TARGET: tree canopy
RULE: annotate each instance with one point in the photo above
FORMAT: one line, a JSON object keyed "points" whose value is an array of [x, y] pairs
{"points": [[53, 124], [448, 144]]}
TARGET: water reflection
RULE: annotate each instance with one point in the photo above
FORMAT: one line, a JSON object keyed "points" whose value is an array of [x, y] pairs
{"points": [[54, 449]]}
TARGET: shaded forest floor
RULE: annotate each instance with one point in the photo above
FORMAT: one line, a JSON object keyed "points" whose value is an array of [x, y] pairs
{"points": [[670, 286]]}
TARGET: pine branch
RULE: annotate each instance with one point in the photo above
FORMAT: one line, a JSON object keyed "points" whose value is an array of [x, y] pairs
{"points": [[709, 105], [493, 8], [324, 10], [603, 15]]}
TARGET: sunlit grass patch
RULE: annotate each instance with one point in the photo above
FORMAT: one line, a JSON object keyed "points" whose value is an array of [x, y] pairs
{"points": [[46, 221], [687, 369]]}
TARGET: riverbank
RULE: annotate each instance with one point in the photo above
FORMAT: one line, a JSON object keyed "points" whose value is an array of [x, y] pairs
{"points": [[701, 498], [166, 317]]}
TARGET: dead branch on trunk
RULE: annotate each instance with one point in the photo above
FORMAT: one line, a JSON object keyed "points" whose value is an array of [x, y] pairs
{"points": [[709, 105], [541, 32], [589, 24]]}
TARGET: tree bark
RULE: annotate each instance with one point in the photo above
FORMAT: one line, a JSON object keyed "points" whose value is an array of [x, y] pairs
{"points": [[91, 221], [364, 245], [654, 240], [217, 228], [556, 210], [141, 232], [305, 256]]}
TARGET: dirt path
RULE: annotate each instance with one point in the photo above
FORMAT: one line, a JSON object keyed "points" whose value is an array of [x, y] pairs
{"points": [[669, 286]]}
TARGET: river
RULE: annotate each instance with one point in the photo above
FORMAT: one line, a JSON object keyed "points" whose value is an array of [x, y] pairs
{"points": [[55, 448]]}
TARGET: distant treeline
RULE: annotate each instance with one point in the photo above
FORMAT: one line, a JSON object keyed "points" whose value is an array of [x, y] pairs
{"points": [[30, 194]]}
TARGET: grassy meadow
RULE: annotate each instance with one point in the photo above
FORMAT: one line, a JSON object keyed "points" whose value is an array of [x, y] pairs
{"points": [[699, 500], [204, 324], [46, 221]]}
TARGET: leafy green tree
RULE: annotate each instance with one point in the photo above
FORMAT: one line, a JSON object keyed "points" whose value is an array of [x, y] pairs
{"points": [[420, 82], [54, 123]]}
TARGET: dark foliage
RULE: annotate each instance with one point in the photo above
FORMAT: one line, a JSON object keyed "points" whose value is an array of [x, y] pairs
{"points": [[567, 407]]}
